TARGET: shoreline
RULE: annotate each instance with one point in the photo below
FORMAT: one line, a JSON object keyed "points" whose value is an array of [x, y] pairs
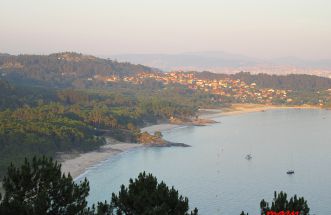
{"points": [[212, 114], [237, 109], [78, 163]]}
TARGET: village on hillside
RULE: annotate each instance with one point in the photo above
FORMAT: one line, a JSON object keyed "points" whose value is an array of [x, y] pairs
{"points": [[234, 89]]}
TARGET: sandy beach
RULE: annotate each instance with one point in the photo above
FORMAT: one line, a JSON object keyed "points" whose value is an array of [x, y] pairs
{"points": [[236, 109], [78, 163]]}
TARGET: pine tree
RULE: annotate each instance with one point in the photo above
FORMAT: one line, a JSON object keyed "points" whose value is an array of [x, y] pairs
{"points": [[145, 196], [39, 187], [281, 203]]}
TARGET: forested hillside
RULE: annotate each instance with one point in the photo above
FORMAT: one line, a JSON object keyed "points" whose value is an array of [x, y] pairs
{"points": [[297, 82], [16, 96], [39, 121], [62, 69], [43, 130]]}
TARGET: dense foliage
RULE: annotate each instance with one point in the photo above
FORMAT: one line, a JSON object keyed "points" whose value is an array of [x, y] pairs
{"points": [[39, 187], [12, 97], [280, 203], [48, 121], [62, 69], [295, 82], [145, 196], [43, 130]]}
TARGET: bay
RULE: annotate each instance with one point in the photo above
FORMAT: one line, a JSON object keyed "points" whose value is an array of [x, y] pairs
{"points": [[214, 173]]}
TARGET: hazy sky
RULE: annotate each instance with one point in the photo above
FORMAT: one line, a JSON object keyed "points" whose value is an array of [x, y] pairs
{"points": [[258, 28]]}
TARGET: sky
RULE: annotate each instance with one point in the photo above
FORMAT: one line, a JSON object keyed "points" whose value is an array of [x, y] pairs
{"points": [[256, 28]]}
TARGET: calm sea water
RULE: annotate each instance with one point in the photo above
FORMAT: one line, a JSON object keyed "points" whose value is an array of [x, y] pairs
{"points": [[214, 173]]}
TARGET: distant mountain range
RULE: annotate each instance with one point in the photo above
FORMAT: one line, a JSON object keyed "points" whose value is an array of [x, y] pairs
{"points": [[222, 62]]}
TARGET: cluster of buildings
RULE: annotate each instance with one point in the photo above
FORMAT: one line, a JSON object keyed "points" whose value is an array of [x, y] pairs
{"points": [[231, 89]]}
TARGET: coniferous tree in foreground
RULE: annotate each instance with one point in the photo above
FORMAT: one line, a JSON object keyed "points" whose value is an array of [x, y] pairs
{"points": [[145, 196], [281, 203], [39, 187]]}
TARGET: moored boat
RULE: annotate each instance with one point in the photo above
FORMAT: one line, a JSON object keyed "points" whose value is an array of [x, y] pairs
{"points": [[290, 172]]}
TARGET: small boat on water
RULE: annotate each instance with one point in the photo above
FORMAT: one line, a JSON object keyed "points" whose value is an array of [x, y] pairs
{"points": [[248, 157], [290, 172]]}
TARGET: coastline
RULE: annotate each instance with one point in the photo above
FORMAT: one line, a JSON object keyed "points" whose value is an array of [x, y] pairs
{"points": [[237, 109], [211, 114], [78, 163]]}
